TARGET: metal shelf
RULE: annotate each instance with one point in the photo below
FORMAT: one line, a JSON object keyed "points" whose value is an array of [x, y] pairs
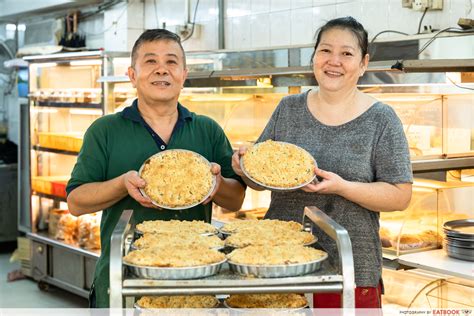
{"points": [[438, 261], [44, 238], [55, 151], [327, 279]]}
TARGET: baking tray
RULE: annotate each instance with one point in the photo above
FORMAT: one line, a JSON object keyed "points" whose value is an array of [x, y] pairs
{"points": [[272, 188], [277, 271], [178, 273], [452, 229], [460, 243], [183, 207]]}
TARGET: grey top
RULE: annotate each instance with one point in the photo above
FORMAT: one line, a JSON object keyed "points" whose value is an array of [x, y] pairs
{"points": [[370, 148]]}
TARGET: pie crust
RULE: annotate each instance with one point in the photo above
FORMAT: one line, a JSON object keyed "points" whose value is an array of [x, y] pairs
{"points": [[175, 256], [177, 178], [149, 240], [263, 224], [269, 237], [277, 255], [278, 164], [280, 300], [179, 301], [176, 226]]}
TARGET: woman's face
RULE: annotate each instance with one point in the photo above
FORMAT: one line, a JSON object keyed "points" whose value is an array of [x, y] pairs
{"points": [[338, 61]]}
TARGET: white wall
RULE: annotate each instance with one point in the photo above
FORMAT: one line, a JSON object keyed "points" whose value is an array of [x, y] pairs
{"points": [[268, 23]]}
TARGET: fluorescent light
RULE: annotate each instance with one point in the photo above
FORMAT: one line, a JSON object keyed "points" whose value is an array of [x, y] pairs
{"points": [[10, 27], [85, 111]]}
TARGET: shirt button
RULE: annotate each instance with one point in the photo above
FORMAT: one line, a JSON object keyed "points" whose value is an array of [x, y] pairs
{"points": [[162, 147]]}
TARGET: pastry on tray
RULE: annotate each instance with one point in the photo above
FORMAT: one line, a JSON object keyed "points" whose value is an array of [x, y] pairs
{"points": [[178, 301], [269, 237], [263, 224], [278, 300], [175, 256], [150, 240], [175, 226], [177, 178], [278, 165]]}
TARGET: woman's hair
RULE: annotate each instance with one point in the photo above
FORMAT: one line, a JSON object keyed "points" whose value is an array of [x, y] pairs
{"points": [[346, 23]]}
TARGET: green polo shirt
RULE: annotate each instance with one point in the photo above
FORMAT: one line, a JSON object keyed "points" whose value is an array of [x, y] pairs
{"points": [[117, 143]]}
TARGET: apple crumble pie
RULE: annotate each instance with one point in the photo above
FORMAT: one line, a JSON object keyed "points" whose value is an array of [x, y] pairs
{"points": [[278, 164], [277, 255], [280, 300], [177, 178], [265, 223], [269, 237], [176, 226], [179, 301], [149, 240], [175, 256]]}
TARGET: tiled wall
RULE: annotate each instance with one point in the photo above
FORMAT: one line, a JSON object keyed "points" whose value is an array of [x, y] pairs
{"points": [[268, 23]]}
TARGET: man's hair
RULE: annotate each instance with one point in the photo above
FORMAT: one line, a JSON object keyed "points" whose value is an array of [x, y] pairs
{"points": [[156, 35]]}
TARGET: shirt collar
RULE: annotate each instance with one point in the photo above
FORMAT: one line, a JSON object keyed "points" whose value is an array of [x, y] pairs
{"points": [[132, 113]]}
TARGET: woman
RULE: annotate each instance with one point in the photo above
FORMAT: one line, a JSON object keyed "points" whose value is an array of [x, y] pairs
{"points": [[361, 150]]}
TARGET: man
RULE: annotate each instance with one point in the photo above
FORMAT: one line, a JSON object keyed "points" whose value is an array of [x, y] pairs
{"points": [[115, 146]]}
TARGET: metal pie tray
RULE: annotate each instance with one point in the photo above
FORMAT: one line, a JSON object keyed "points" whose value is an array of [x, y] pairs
{"points": [[178, 273], [453, 229], [181, 207], [277, 271], [218, 248], [459, 253], [299, 186], [460, 243]]}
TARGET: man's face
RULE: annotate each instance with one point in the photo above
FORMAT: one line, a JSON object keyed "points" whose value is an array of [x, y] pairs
{"points": [[158, 73]]}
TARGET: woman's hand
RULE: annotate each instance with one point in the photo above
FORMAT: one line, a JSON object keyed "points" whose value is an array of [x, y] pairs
{"points": [[236, 160], [215, 170], [133, 183], [331, 183]]}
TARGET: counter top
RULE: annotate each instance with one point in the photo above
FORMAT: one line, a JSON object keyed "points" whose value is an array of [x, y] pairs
{"points": [[438, 261]]}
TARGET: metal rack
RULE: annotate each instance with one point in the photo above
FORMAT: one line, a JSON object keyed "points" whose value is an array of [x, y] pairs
{"points": [[328, 279]]}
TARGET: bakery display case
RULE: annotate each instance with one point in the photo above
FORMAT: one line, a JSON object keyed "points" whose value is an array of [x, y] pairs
{"points": [[65, 97]]}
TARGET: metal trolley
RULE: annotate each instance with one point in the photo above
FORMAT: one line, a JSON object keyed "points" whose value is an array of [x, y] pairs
{"points": [[125, 287]]}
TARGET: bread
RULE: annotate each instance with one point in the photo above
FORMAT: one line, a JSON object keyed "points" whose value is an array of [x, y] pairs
{"points": [[429, 238], [408, 241], [385, 237]]}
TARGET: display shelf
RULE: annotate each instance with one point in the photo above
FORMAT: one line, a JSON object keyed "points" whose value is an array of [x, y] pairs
{"points": [[55, 151], [68, 104], [50, 196], [438, 261], [442, 164]]}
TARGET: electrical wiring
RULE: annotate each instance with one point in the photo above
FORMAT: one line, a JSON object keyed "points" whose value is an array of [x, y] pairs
{"points": [[457, 85], [421, 20], [115, 22], [193, 23]]}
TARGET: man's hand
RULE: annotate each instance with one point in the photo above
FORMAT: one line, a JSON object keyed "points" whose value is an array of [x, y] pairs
{"points": [[216, 170], [132, 183], [331, 183], [236, 160]]}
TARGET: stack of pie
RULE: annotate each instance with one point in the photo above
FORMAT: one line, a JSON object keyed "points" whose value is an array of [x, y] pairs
{"points": [[269, 237], [286, 300], [179, 301], [177, 178], [278, 165]]}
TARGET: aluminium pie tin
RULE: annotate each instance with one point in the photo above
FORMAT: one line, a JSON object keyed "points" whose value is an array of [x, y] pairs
{"points": [[175, 273], [277, 271], [183, 207], [138, 233], [264, 310], [273, 188]]}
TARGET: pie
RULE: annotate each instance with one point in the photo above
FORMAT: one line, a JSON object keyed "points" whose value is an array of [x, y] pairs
{"points": [[281, 300], [175, 256], [177, 178], [179, 301], [277, 255], [266, 223], [175, 226], [149, 240], [278, 164], [269, 237]]}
